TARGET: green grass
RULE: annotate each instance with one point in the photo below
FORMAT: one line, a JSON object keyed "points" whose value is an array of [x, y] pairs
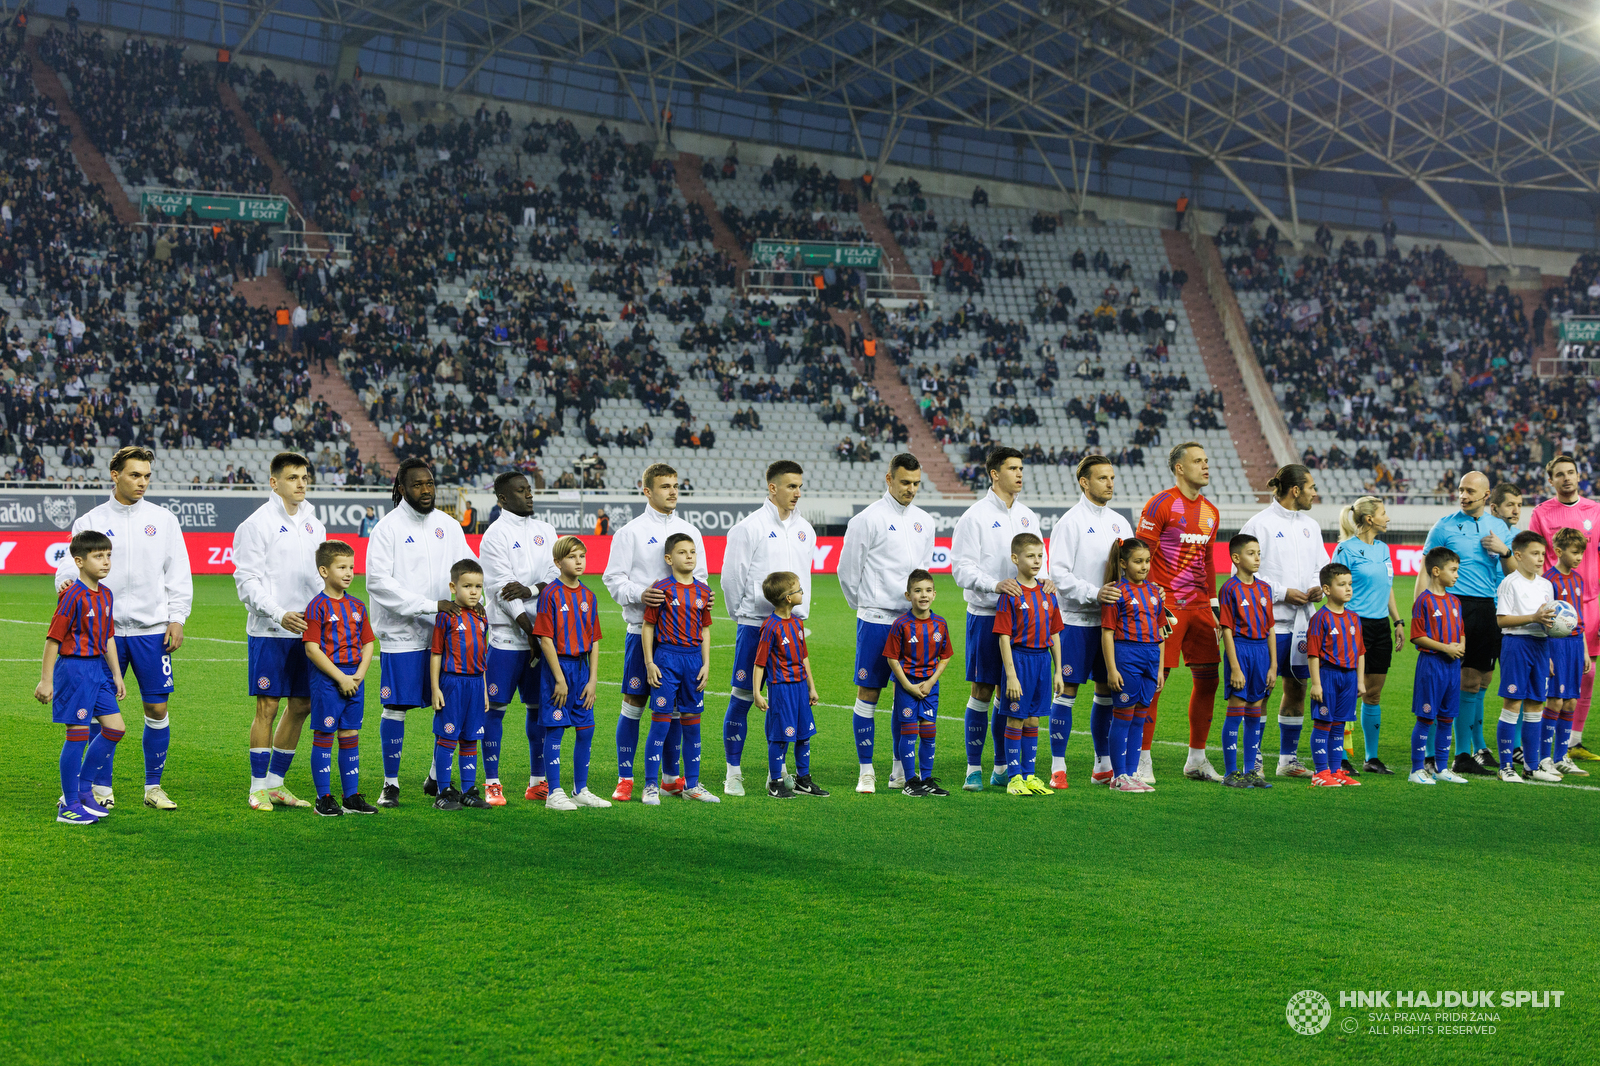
{"points": [[1082, 927]]}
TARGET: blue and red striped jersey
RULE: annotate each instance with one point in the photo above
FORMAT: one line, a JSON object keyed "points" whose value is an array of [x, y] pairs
{"points": [[683, 617], [568, 616], [461, 641], [918, 644], [1139, 615], [1335, 638], [1437, 618], [1030, 620], [782, 650], [1246, 609], [1569, 587], [340, 627], [82, 624]]}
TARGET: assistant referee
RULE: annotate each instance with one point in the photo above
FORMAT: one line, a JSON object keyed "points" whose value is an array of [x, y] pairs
{"points": [[1480, 538]]}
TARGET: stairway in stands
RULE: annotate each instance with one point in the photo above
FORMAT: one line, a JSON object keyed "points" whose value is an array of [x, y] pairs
{"points": [[89, 158], [281, 185], [1241, 418], [694, 190], [891, 389]]}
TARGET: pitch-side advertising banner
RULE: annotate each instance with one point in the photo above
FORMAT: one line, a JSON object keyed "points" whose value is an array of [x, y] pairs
{"points": [[212, 553]]}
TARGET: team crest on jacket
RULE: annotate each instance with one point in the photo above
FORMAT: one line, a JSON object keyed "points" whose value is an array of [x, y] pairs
{"points": [[538, 539], [438, 533], [149, 531], [802, 536], [1025, 523], [309, 529], [917, 526], [264, 684]]}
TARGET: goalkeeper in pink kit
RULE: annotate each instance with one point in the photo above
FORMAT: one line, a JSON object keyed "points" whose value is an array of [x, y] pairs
{"points": [[1569, 509]]}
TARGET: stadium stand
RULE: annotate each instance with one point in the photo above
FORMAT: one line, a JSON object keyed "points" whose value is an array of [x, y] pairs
{"points": [[1397, 372]]}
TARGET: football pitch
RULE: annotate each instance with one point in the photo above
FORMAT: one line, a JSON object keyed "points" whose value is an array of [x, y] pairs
{"points": [[1086, 926]]}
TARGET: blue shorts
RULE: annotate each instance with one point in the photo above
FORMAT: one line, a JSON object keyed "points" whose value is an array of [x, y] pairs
{"points": [[81, 690], [1567, 658], [634, 683], [575, 669], [983, 651], [1524, 667], [1033, 674], [1082, 658], [1436, 688], [745, 641], [278, 668], [1285, 645], [463, 714], [405, 679], [678, 692], [511, 672], [1139, 664], [332, 711], [789, 717], [909, 708], [152, 665], [1254, 660], [872, 669], [1338, 694]]}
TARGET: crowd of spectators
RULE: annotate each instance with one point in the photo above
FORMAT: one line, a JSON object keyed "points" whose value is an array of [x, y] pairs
{"points": [[1402, 357]]}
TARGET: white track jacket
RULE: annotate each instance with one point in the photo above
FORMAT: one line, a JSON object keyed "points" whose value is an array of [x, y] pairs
{"points": [[883, 544], [638, 560], [761, 545], [1081, 543], [149, 580], [409, 557], [980, 551], [514, 549], [1292, 557], [275, 565]]}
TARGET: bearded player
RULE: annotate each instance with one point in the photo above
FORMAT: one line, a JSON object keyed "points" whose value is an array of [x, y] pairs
{"points": [[1568, 508], [1181, 524]]}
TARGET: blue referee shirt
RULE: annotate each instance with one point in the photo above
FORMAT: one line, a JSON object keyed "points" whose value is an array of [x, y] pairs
{"points": [[1372, 568], [1480, 572]]}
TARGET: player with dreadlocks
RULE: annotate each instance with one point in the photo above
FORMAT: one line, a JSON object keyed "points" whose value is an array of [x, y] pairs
{"points": [[409, 557]]}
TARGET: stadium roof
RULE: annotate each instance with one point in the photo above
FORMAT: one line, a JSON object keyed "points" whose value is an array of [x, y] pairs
{"points": [[1492, 97]]}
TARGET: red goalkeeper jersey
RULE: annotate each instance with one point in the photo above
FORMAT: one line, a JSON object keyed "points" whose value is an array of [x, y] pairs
{"points": [[1180, 532]]}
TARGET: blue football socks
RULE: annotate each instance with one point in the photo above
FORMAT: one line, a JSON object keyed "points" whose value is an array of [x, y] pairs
{"points": [[1419, 742], [802, 758], [1012, 748], [1060, 727], [1030, 749], [1336, 754], [1441, 744], [96, 756], [72, 762], [391, 741], [1505, 736], [583, 744], [865, 721], [1532, 740], [734, 728], [1117, 737], [1547, 738], [157, 738], [102, 776], [927, 732], [260, 759], [1100, 726], [690, 724], [670, 749], [469, 764], [322, 763], [905, 748], [998, 728], [535, 729], [552, 757], [444, 754], [494, 731], [775, 754], [1254, 729], [278, 765], [1319, 745], [350, 764], [1563, 738], [659, 724], [1230, 740], [977, 724], [628, 739]]}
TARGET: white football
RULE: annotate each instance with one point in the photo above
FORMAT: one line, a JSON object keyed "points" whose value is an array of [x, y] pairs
{"points": [[1565, 621]]}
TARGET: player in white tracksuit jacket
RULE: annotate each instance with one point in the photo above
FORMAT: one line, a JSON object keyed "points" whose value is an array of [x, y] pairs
{"points": [[772, 538], [152, 592], [1292, 558], [409, 557], [980, 562], [1081, 544], [637, 561], [882, 545], [515, 552]]}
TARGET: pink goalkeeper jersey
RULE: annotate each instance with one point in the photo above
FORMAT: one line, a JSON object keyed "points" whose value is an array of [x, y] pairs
{"points": [[1584, 516]]}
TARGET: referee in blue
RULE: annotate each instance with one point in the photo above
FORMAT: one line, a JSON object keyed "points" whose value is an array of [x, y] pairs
{"points": [[1382, 629], [1480, 538]]}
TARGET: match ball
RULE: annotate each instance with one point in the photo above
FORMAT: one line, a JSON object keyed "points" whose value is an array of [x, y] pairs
{"points": [[1565, 621]]}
